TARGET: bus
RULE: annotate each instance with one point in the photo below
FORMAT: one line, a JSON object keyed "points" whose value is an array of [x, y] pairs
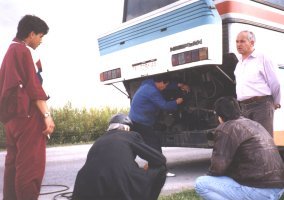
{"points": [[193, 41]]}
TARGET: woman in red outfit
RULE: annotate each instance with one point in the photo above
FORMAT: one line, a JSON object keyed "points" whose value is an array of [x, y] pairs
{"points": [[24, 112]]}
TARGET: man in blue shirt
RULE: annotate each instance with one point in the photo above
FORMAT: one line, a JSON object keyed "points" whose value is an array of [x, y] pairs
{"points": [[146, 104]]}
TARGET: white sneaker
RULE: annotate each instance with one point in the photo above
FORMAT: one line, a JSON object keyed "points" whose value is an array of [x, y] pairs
{"points": [[170, 174]]}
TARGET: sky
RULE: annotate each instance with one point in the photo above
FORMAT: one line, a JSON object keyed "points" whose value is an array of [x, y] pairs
{"points": [[69, 52]]}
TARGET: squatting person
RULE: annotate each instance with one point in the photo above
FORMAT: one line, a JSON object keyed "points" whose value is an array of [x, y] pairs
{"points": [[111, 172], [245, 162]]}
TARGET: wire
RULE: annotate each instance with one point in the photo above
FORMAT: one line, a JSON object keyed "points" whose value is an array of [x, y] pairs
{"points": [[56, 191], [67, 195]]}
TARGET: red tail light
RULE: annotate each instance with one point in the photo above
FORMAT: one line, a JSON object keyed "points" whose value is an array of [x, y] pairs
{"points": [[190, 56], [111, 74]]}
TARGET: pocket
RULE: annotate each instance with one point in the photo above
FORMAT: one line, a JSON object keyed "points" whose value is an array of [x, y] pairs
{"points": [[8, 106], [15, 102]]}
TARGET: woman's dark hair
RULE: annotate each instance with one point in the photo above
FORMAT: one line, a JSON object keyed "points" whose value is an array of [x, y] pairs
{"points": [[227, 108], [31, 23]]}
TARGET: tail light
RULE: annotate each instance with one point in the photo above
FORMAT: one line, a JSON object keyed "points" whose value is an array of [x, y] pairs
{"points": [[190, 56], [111, 74]]}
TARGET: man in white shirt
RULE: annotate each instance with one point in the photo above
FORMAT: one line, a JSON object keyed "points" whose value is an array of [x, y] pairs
{"points": [[257, 84]]}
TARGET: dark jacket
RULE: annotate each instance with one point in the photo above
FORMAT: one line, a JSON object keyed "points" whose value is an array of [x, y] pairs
{"points": [[111, 173], [246, 152]]}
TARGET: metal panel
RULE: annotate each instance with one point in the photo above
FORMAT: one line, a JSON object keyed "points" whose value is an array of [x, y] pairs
{"points": [[187, 17]]}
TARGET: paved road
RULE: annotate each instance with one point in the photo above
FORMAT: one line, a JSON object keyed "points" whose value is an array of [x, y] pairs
{"points": [[63, 164]]}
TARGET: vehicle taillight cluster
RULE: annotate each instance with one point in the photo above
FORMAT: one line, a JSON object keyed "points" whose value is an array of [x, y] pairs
{"points": [[190, 56], [111, 74]]}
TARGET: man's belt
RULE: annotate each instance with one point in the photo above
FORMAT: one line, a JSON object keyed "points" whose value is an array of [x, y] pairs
{"points": [[254, 99]]}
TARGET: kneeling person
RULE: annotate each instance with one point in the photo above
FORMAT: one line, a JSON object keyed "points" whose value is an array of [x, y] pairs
{"points": [[111, 172], [245, 162]]}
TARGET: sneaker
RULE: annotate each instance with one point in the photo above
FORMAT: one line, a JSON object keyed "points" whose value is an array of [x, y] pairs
{"points": [[170, 174]]}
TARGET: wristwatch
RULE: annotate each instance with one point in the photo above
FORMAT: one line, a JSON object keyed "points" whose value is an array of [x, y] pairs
{"points": [[47, 114]]}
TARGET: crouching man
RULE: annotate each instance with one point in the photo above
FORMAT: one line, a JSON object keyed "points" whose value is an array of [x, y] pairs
{"points": [[245, 162], [111, 172]]}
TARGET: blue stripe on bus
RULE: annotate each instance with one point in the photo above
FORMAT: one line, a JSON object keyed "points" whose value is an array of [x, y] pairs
{"points": [[187, 17]]}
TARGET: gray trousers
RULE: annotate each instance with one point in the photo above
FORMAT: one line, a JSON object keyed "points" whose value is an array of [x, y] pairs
{"points": [[261, 111]]}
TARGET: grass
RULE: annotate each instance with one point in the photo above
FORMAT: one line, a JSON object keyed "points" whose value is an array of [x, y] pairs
{"points": [[187, 195], [184, 195]]}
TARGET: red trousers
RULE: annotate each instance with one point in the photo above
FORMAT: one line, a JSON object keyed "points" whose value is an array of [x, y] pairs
{"points": [[25, 159]]}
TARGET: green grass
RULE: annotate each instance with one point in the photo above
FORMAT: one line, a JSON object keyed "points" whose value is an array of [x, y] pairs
{"points": [[184, 195]]}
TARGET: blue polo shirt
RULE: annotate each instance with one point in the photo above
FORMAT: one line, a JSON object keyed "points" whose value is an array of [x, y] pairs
{"points": [[147, 103]]}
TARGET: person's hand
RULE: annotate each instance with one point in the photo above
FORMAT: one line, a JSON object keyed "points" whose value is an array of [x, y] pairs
{"points": [[179, 100], [49, 124], [277, 106], [146, 167], [184, 87]]}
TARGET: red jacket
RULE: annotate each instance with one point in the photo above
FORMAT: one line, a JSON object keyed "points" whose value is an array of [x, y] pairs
{"points": [[19, 83]]}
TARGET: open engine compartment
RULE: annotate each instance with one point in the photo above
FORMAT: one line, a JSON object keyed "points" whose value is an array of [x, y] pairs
{"points": [[193, 123]]}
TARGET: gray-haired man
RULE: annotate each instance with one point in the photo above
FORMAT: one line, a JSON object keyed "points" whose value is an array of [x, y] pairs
{"points": [[111, 172]]}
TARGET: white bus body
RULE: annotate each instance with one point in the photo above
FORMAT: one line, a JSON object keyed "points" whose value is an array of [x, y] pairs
{"points": [[193, 41]]}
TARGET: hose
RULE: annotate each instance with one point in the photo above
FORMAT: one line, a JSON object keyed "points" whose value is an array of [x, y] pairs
{"points": [[67, 195]]}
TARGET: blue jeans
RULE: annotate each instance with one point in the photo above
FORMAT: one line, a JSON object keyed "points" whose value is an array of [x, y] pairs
{"points": [[225, 188]]}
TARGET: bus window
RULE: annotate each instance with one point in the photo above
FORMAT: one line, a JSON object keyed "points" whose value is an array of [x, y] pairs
{"points": [[274, 3], [136, 8]]}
